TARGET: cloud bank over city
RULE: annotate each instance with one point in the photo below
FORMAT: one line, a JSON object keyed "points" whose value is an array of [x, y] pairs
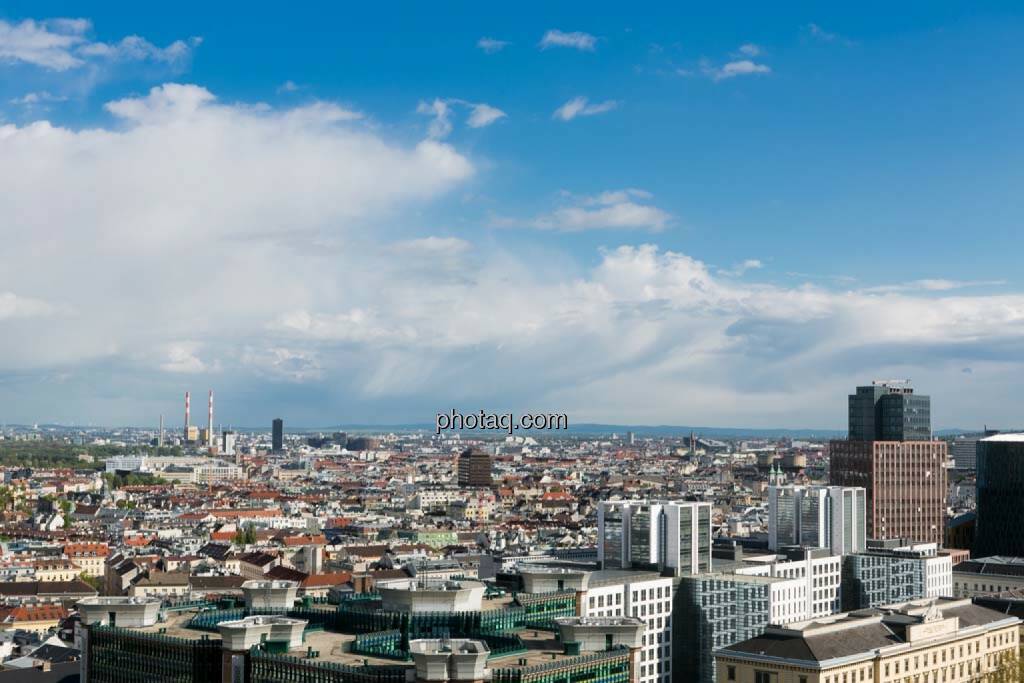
{"points": [[302, 257]]}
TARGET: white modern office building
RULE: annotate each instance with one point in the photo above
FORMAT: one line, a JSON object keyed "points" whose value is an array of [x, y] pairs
{"points": [[664, 535], [833, 517], [813, 583], [646, 596]]}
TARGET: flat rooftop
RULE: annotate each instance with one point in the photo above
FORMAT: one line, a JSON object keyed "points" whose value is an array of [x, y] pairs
{"points": [[1005, 437], [499, 602], [604, 577], [542, 647]]}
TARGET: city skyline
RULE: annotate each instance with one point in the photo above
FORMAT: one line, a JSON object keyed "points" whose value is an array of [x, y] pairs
{"points": [[667, 217]]}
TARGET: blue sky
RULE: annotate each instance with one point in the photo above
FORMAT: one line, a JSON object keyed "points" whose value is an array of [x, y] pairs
{"points": [[662, 214]]}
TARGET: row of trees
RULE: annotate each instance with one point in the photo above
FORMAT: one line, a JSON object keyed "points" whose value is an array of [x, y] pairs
{"points": [[58, 454]]}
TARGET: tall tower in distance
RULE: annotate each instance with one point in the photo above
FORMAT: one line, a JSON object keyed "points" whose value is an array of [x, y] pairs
{"points": [[209, 423], [187, 411], [474, 468], [891, 454], [277, 435]]}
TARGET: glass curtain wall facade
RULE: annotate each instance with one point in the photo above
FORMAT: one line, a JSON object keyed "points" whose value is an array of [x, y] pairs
{"points": [[612, 541], [1000, 496], [713, 611], [874, 580], [672, 537]]}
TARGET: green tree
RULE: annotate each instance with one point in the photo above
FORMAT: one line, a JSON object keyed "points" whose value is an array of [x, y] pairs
{"points": [[6, 498], [65, 511], [93, 581], [1010, 671], [245, 535]]}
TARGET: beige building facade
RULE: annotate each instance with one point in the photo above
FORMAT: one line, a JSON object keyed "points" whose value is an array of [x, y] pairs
{"points": [[925, 641]]}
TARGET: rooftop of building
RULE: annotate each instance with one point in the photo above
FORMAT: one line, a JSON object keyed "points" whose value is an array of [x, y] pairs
{"points": [[541, 646], [606, 577], [599, 621], [863, 632], [1000, 565], [114, 600], [1015, 438]]}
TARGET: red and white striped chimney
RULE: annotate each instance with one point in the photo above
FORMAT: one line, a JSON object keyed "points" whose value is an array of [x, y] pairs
{"points": [[209, 423]]}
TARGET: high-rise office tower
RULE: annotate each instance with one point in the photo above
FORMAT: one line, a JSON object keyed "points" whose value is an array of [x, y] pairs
{"points": [[474, 468], [668, 536], [891, 455], [277, 437], [832, 517], [889, 410], [1000, 496]]}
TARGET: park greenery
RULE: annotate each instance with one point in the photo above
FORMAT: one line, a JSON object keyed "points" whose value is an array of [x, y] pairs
{"points": [[56, 454]]}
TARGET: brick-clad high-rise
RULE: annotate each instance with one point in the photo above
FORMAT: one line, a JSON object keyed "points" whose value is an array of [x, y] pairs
{"points": [[474, 468], [905, 479], [905, 483]]}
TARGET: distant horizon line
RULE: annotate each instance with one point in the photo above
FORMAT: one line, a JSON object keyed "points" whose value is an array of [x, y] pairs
{"points": [[579, 428]]}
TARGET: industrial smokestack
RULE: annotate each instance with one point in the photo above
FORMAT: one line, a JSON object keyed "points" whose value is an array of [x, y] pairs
{"points": [[209, 423], [187, 404]]}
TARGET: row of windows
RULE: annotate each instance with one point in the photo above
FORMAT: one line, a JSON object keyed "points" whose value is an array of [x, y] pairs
{"points": [[956, 670]]}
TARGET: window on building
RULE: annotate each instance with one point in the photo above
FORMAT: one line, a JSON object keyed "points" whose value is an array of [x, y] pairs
{"points": [[731, 673]]}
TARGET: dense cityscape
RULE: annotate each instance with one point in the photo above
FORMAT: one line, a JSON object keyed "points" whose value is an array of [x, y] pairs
{"points": [[192, 553], [550, 342]]}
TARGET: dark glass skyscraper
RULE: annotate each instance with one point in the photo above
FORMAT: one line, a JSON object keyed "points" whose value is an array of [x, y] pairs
{"points": [[277, 439], [1000, 494], [889, 411]]}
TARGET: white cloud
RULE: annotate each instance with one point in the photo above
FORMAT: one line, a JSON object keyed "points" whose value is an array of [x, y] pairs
{"points": [[137, 49], [643, 335], [750, 50], [739, 67], [62, 45], [932, 285], [492, 45], [182, 358], [49, 46], [433, 245], [580, 106], [481, 115], [575, 39], [611, 210], [256, 238], [287, 86], [820, 34], [14, 306], [742, 268], [440, 110], [203, 222], [39, 98], [283, 363]]}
